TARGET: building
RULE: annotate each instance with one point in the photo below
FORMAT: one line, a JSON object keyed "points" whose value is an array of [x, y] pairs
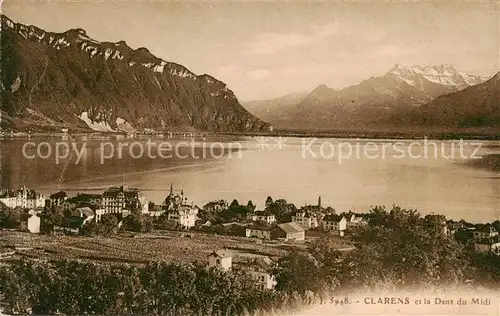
{"points": [[484, 231], [220, 259], [262, 216], [306, 220], [259, 232], [24, 198], [117, 200], [179, 210], [261, 270], [99, 213], [56, 199], [334, 223], [288, 231], [31, 222], [85, 213], [174, 199], [490, 244], [216, 206], [185, 216]]}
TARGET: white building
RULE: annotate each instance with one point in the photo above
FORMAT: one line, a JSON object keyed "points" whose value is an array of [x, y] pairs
{"points": [[262, 216], [221, 259], [259, 232], [184, 216], [306, 220], [31, 223], [24, 197], [261, 270], [117, 200], [216, 206], [334, 223]]}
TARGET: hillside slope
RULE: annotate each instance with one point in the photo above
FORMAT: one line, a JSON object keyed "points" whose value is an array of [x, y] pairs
{"points": [[53, 80]]}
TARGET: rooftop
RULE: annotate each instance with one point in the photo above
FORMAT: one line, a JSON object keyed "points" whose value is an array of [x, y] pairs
{"points": [[291, 227]]}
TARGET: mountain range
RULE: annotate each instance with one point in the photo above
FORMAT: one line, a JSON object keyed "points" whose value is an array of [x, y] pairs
{"points": [[402, 96], [54, 80], [69, 80]]}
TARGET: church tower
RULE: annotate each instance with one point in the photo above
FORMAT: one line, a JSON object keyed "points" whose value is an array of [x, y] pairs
{"points": [[319, 203]]}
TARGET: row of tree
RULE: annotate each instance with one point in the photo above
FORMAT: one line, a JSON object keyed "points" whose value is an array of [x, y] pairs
{"points": [[159, 288]]}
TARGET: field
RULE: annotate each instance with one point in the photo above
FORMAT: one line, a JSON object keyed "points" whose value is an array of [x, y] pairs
{"points": [[136, 248]]}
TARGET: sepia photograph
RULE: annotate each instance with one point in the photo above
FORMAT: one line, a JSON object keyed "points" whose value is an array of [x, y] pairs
{"points": [[257, 158]]}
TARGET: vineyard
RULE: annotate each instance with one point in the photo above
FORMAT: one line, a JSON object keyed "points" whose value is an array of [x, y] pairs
{"points": [[134, 248]]}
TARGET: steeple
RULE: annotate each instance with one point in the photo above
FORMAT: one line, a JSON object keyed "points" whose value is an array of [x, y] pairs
{"points": [[319, 203], [171, 189]]}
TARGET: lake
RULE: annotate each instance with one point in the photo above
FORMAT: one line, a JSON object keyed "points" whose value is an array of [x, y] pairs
{"points": [[348, 174]]}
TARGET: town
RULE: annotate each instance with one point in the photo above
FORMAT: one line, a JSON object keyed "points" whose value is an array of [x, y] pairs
{"points": [[284, 249]]}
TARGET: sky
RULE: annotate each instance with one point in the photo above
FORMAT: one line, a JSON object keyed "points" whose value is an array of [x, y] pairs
{"points": [[264, 50]]}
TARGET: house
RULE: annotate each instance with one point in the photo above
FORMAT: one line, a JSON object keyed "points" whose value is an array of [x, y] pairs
{"points": [[262, 216], [216, 206], [31, 222], [484, 231], [307, 219], [355, 222], [179, 210], [156, 212], [68, 226], [263, 232], [454, 227], [56, 199], [184, 216], [334, 223], [288, 231], [490, 244], [174, 199], [94, 201], [116, 200], [24, 197], [220, 259], [261, 270], [67, 205], [83, 212]]}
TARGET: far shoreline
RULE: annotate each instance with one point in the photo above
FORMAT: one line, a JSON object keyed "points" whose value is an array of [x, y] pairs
{"points": [[434, 134]]}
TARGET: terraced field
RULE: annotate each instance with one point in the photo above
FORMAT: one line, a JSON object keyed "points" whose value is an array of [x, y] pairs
{"points": [[135, 248]]}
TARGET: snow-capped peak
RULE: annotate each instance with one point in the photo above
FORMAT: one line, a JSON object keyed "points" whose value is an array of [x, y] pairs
{"points": [[445, 75]]}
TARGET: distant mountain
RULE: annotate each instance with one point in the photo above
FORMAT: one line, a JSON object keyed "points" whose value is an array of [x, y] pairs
{"points": [[377, 101], [53, 80], [274, 109], [475, 106]]}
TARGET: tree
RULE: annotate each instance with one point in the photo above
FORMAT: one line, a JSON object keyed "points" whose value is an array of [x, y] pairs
{"points": [[269, 201], [234, 203], [10, 217], [250, 206], [282, 210], [163, 222], [298, 272], [106, 226], [398, 249], [137, 222]]}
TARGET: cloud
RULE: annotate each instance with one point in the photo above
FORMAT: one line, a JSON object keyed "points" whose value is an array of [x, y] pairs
{"points": [[270, 43], [258, 73]]}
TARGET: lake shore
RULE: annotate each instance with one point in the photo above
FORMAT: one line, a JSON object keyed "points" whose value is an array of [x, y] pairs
{"points": [[368, 133], [489, 162]]}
